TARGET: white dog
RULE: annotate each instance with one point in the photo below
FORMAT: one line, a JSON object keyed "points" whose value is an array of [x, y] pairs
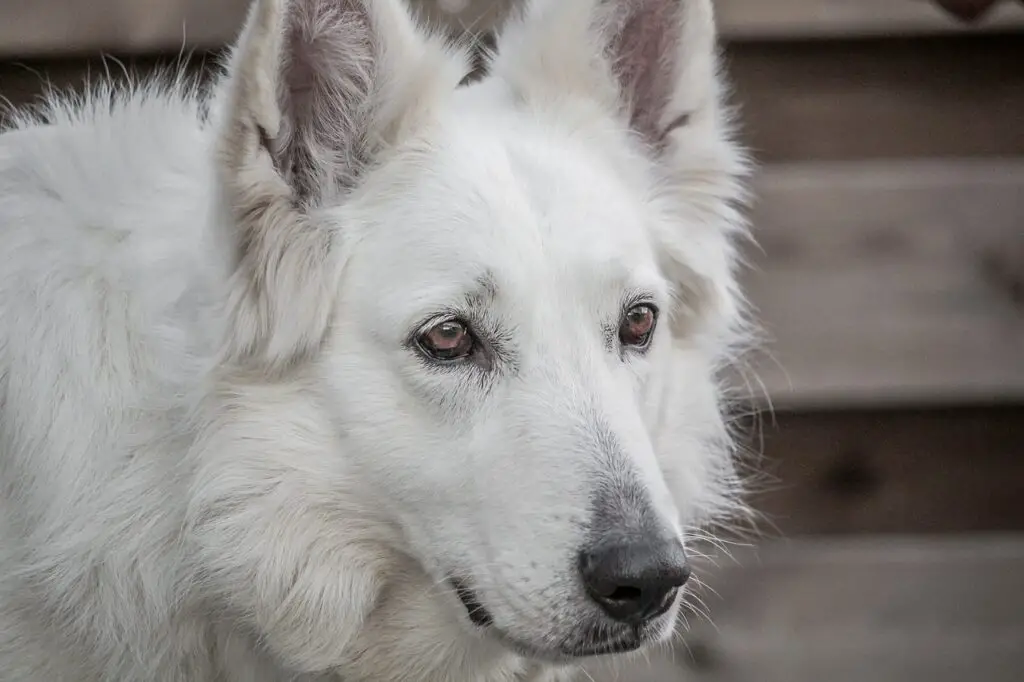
{"points": [[345, 372]]}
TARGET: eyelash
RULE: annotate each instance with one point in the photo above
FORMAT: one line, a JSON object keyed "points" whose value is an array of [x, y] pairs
{"points": [[638, 299]]}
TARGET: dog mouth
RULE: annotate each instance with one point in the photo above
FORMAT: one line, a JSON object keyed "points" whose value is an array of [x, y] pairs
{"points": [[477, 612], [594, 641], [621, 643], [588, 644]]}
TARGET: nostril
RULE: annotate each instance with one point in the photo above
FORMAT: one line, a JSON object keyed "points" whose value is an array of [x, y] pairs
{"points": [[625, 593]]}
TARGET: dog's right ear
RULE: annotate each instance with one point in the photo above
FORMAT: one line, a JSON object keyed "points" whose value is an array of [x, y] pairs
{"points": [[317, 91]]}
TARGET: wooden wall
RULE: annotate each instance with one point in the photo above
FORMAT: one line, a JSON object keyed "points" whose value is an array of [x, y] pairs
{"points": [[890, 267], [890, 278]]}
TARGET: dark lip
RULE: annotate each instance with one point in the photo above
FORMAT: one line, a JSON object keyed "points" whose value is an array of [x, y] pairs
{"points": [[618, 645], [478, 613], [570, 652], [613, 643]]}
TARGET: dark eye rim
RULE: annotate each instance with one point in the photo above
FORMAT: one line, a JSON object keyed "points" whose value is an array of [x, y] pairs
{"points": [[417, 341], [649, 336]]}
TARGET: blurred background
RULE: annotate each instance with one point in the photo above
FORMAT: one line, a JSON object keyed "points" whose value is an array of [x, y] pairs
{"points": [[890, 279]]}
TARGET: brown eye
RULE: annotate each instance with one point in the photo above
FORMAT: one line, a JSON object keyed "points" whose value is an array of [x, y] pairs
{"points": [[638, 325], [448, 340]]}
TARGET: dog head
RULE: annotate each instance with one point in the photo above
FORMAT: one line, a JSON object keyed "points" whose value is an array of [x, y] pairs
{"points": [[509, 299]]}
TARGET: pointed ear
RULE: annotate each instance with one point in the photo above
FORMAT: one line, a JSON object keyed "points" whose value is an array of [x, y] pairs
{"points": [[654, 61], [316, 92], [653, 65]]}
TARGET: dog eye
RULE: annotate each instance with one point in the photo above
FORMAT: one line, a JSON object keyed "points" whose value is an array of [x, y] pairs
{"points": [[448, 340], [638, 325]]}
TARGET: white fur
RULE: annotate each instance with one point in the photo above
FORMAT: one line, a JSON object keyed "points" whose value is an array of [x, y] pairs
{"points": [[219, 457]]}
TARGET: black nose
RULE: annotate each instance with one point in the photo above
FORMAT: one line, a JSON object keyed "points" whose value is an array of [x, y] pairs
{"points": [[635, 581]]}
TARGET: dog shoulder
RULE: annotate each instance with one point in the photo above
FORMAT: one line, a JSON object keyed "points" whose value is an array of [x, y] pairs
{"points": [[102, 209]]}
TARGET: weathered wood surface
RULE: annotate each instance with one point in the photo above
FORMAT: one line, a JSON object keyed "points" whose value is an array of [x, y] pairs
{"points": [[865, 610], [788, 19], [886, 471], [832, 100], [74, 27], [890, 283]]}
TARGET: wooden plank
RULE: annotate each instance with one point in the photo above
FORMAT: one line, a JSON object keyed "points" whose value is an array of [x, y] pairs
{"points": [[40, 28], [883, 610], [876, 284], [781, 19], [879, 99], [788, 19], [889, 471]]}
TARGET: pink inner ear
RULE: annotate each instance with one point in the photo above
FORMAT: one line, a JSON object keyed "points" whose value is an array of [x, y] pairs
{"points": [[325, 80], [644, 54]]}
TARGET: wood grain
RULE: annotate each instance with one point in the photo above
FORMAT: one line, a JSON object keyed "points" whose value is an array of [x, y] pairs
{"points": [[876, 283], [870, 609], [789, 19], [833, 100], [885, 610], [40, 28], [954, 470]]}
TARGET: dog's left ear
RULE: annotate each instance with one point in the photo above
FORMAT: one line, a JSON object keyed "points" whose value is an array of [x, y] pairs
{"points": [[654, 61], [653, 66]]}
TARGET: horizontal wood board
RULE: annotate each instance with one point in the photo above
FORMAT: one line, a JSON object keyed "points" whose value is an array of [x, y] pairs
{"points": [[837, 100], [955, 470], [790, 19], [890, 283]]}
